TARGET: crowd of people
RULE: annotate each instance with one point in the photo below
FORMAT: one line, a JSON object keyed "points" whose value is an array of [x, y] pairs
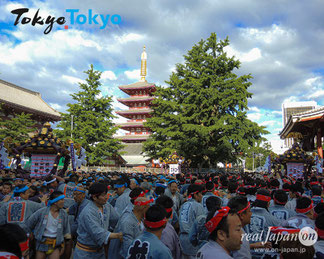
{"points": [[116, 215]]}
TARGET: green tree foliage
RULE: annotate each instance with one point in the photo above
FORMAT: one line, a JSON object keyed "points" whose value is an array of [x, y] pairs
{"points": [[260, 152], [17, 127], [202, 113], [92, 121]]}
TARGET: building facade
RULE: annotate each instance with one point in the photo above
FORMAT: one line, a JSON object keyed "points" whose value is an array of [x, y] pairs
{"points": [[291, 108]]}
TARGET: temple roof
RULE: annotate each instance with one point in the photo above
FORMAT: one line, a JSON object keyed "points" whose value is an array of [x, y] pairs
{"points": [[131, 124], [27, 100], [137, 85], [133, 154], [135, 111], [135, 98], [301, 117]]}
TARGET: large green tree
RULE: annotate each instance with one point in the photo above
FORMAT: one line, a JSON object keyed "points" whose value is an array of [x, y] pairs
{"points": [[17, 127], [202, 112], [92, 123]]}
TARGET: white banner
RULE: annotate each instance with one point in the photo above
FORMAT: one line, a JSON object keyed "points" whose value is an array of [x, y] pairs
{"points": [[174, 168]]}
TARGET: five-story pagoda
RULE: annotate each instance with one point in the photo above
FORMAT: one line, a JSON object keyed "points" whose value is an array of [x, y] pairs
{"points": [[139, 107]]}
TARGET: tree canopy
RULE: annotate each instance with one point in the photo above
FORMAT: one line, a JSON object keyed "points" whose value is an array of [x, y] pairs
{"points": [[202, 112], [93, 127], [17, 127]]}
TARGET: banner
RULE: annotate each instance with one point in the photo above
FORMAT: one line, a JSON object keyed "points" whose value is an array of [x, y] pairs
{"points": [[72, 157], [41, 165], [295, 170], [174, 169]]}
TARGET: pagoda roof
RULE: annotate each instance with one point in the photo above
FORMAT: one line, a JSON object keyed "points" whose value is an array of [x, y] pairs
{"points": [[21, 98], [137, 85], [307, 117], [131, 124], [135, 111], [135, 99]]}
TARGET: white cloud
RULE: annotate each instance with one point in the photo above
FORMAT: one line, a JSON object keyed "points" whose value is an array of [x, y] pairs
{"points": [[254, 109], [268, 123], [249, 56], [133, 74], [56, 106], [127, 37], [108, 75], [72, 79], [316, 94], [254, 116], [269, 35]]}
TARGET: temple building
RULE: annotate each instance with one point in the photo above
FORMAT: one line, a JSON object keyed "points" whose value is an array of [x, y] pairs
{"points": [[138, 102], [15, 100]]}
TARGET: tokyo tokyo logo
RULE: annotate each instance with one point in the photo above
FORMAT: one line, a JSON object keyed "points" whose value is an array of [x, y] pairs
{"points": [[75, 18]]}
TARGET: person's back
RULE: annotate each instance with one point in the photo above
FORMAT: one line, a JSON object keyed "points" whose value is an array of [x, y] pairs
{"points": [[148, 244], [278, 210]]}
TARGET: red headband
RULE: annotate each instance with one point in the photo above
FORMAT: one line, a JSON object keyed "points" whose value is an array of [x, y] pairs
{"points": [[143, 203], [314, 183], [249, 186], [282, 230], [261, 197], [241, 193], [192, 194], [156, 224], [310, 207], [24, 245], [142, 194], [242, 210], [168, 210], [320, 232], [212, 224], [278, 202]]}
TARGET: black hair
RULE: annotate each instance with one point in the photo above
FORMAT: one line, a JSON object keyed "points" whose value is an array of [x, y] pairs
{"points": [[232, 187], [286, 186], [166, 202], [155, 213], [213, 202], [19, 234], [159, 190], [281, 196], [195, 188], [319, 222], [96, 189], [120, 182], [8, 241], [259, 203], [135, 193], [44, 189], [209, 186], [319, 208], [8, 183], [74, 178], [274, 183], [237, 203], [316, 190], [303, 202], [55, 194], [241, 190]]}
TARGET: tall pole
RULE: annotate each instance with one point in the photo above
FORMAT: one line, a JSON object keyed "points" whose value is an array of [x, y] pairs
{"points": [[71, 125], [253, 161]]}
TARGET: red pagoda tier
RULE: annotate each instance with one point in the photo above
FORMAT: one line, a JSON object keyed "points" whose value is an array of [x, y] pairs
{"points": [[139, 104]]}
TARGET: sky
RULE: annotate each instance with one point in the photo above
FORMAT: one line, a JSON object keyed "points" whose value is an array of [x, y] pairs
{"points": [[279, 42]]}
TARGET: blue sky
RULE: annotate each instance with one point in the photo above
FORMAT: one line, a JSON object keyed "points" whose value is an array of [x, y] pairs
{"points": [[278, 42]]}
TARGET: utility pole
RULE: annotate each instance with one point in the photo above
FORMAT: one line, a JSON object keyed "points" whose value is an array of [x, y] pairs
{"points": [[71, 125]]}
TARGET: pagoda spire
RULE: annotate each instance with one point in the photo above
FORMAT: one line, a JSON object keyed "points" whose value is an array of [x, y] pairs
{"points": [[143, 65]]}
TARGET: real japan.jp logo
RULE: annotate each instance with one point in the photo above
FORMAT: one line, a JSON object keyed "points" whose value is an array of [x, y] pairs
{"points": [[75, 18]]}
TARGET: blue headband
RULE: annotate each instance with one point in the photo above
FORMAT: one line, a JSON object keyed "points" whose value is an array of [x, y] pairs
{"points": [[77, 190], [160, 185], [50, 202], [17, 190], [120, 185], [172, 181], [135, 181]]}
